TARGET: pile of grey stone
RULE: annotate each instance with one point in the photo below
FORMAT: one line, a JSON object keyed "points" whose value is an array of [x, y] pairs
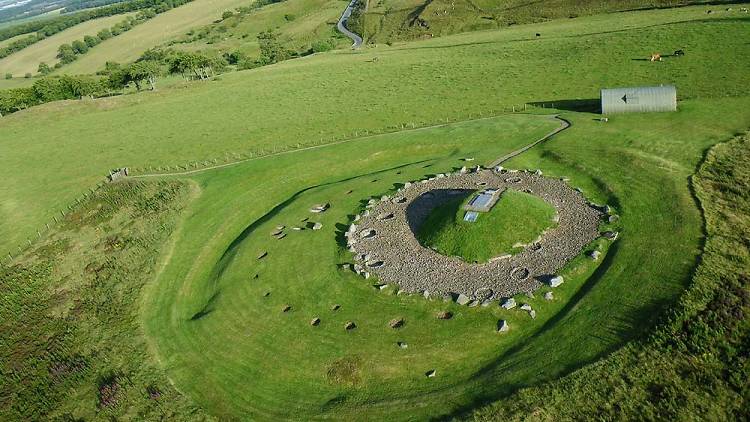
{"points": [[385, 234]]}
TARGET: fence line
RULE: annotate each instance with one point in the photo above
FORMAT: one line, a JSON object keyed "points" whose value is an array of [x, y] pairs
{"points": [[7, 259], [231, 157]]}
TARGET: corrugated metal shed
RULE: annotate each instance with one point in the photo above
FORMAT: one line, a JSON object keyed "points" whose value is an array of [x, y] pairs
{"points": [[639, 99]]}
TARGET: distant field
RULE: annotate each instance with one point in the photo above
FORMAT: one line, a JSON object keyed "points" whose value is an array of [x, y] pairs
{"points": [[306, 100], [42, 16], [28, 59], [10, 40], [130, 45], [17, 82]]}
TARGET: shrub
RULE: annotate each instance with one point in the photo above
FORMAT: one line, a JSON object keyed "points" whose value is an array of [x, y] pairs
{"points": [[322, 45], [8, 76]]}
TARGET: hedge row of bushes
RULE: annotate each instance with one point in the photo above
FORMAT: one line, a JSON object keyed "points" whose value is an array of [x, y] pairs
{"points": [[46, 27]]}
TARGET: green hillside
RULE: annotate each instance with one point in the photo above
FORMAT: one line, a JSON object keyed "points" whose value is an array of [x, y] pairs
{"points": [[171, 295], [391, 20]]}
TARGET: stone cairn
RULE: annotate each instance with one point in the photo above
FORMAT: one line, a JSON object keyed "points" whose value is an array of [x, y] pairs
{"points": [[383, 240]]}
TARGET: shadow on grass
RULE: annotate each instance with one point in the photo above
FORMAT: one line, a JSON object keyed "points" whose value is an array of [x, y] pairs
{"points": [[589, 105], [231, 251], [207, 308]]}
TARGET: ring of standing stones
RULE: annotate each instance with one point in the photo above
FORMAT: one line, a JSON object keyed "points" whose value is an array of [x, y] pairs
{"points": [[383, 239]]}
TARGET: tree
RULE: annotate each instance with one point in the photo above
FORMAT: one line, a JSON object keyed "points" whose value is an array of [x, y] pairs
{"points": [[143, 71], [44, 69], [12, 100], [235, 57], [79, 47], [200, 65], [271, 50], [104, 34], [322, 45], [8, 76], [91, 41], [66, 54], [227, 14]]}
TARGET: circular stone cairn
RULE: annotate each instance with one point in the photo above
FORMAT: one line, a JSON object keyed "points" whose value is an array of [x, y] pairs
{"points": [[402, 260]]}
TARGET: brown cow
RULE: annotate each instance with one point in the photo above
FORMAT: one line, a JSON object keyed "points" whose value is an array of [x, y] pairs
{"points": [[656, 57]]}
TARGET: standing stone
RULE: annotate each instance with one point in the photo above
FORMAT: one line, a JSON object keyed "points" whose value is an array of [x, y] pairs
{"points": [[548, 296], [510, 303], [502, 326], [556, 281], [594, 255], [315, 322], [462, 299], [430, 374]]}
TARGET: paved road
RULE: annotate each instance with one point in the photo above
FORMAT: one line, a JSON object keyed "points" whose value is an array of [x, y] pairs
{"points": [[342, 25]]}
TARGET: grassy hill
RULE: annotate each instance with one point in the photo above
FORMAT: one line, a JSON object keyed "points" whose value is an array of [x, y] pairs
{"points": [[300, 101], [210, 313], [696, 363], [28, 59], [391, 20], [130, 45]]}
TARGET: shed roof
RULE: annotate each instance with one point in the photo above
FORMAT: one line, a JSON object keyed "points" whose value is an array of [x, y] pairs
{"points": [[639, 99]]}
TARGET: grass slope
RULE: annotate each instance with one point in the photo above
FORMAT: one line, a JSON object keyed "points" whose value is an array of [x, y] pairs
{"points": [[391, 20], [302, 101], [695, 366], [229, 347], [516, 218], [221, 329], [130, 45], [28, 59], [72, 346]]}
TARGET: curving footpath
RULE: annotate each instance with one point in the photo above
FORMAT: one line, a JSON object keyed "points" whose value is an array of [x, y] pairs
{"points": [[357, 40]]}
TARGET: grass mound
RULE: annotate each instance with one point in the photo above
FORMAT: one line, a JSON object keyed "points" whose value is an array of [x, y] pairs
{"points": [[516, 218], [706, 337]]}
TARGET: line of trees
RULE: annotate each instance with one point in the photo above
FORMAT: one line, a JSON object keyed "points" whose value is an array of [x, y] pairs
{"points": [[68, 53], [43, 28], [141, 74], [75, 5]]}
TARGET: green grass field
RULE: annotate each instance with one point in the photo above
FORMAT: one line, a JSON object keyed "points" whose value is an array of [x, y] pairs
{"points": [[694, 365], [130, 45], [272, 107], [392, 20], [209, 311], [516, 218], [28, 59]]}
